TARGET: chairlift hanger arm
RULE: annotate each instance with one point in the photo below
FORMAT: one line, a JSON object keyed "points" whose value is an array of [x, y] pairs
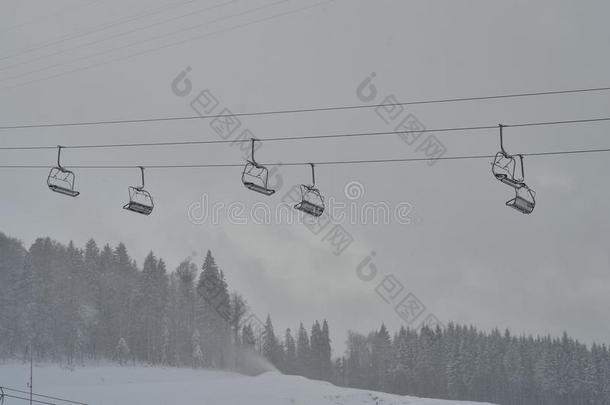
{"points": [[59, 157], [142, 171], [313, 174], [522, 167], [502, 139], [252, 156]]}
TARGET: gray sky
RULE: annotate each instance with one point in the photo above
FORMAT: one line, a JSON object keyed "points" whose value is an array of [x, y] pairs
{"points": [[465, 256]]}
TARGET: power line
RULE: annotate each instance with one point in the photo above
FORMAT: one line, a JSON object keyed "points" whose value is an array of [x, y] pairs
{"points": [[151, 39], [319, 163], [308, 137], [324, 109], [27, 399], [180, 42], [44, 17], [96, 29], [44, 396], [103, 39]]}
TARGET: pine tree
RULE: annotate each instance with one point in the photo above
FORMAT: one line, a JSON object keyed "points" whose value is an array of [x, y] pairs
{"points": [[272, 349], [290, 360], [358, 361], [239, 308], [213, 312], [513, 368], [121, 352], [247, 337], [316, 351], [107, 330], [166, 353], [454, 378], [185, 310], [80, 344], [197, 354], [325, 352], [381, 359], [338, 372], [303, 352], [12, 263], [125, 283], [154, 290]]}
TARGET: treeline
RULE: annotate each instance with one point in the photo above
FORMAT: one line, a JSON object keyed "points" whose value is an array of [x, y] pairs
{"points": [[68, 305], [307, 355], [462, 363]]}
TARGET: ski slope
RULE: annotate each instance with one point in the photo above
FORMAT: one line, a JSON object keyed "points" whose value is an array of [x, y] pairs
{"points": [[115, 385]]}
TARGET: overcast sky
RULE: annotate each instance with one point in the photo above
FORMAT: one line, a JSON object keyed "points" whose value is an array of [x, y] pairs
{"points": [[465, 255]]}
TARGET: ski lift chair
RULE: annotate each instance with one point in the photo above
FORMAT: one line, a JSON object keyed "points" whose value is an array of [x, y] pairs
{"points": [[504, 166], [255, 176], [140, 200], [312, 202], [61, 180], [524, 201]]}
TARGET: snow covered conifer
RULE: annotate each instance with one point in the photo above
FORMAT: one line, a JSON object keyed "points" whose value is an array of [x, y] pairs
{"points": [[290, 358], [198, 359], [122, 352]]}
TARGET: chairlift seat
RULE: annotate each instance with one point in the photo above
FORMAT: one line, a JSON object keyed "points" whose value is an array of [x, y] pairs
{"points": [[255, 178], [140, 201], [312, 202], [522, 205], [511, 182], [524, 200], [64, 191], [258, 188], [504, 169], [309, 208], [139, 208], [62, 181]]}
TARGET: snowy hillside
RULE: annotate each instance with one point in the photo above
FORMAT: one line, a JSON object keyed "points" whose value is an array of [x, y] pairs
{"points": [[113, 385]]}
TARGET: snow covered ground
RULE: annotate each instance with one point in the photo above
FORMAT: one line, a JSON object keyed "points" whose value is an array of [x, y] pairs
{"points": [[115, 385]]}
